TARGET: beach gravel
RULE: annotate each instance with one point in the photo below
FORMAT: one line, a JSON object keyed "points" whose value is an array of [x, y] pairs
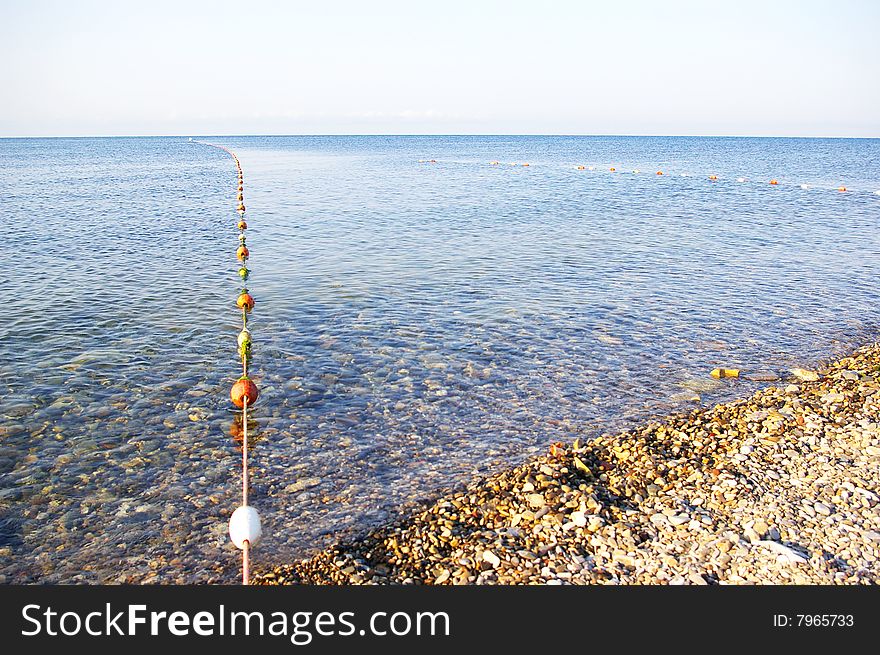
{"points": [[779, 488]]}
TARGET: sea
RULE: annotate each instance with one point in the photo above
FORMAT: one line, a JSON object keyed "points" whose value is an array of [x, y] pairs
{"points": [[429, 310]]}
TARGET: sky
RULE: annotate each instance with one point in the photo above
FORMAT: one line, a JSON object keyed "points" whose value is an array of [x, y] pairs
{"points": [[77, 68]]}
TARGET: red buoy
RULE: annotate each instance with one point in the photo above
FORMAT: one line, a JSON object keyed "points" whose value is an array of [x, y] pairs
{"points": [[244, 388], [245, 301], [242, 253]]}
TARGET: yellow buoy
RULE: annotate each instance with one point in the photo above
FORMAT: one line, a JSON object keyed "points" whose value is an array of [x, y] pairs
{"points": [[719, 373]]}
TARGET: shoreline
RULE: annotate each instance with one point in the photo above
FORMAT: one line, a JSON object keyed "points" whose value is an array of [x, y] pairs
{"points": [[780, 487]]}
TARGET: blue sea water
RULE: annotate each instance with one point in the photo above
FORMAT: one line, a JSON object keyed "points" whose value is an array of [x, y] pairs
{"points": [[418, 323]]}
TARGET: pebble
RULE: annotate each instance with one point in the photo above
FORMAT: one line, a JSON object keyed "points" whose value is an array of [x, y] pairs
{"points": [[721, 495]]}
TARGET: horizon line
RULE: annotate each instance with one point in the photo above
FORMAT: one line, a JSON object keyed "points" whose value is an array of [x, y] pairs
{"points": [[436, 134]]}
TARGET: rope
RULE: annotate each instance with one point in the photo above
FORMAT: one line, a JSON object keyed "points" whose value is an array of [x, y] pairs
{"points": [[244, 524], [245, 552]]}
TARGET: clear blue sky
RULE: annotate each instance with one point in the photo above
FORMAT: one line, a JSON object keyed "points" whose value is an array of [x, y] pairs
{"points": [[440, 67]]}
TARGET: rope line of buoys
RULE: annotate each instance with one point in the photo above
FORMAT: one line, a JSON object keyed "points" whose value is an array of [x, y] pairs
{"points": [[245, 530], [714, 177]]}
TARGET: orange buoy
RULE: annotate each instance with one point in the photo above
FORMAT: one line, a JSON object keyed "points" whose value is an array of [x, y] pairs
{"points": [[242, 253], [841, 188], [241, 207], [659, 172], [582, 168], [245, 301], [713, 177], [244, 388], [612, 169], [773, 182], [240, 196], [526, 164], [242, 225]]}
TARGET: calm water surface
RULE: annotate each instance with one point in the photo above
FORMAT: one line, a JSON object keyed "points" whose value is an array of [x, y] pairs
{"points": [[417, 324]]}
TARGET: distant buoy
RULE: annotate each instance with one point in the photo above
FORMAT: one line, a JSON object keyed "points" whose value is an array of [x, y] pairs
{"points": [[244, 338], [581, 168], [740, 179], [659, 172], [241, 208], [526, 164], [242, 253], [713, 177], [805, 186], [242, 225], [635, 170], [493, 163], [244, 526], [244, 387], [773, 182], [612, 169], [244, 273], [841, 188], [245, 301], [591, 168]]}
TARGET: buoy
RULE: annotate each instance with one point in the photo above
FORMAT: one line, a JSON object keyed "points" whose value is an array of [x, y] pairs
{"points": [[240, 196], [581, 168], [659, 172], [526, 164], [242, 225], [841, 188], [635, 170], [773, 182], [591, 168], [493, 163], [241, 187], [241, 207], [244, 387], [242, 253], [244, 337], [740, 179], [245, 301], [713, 177], [719, 373], [241, 237], [243, 273], [612, 169], [244, 525]]}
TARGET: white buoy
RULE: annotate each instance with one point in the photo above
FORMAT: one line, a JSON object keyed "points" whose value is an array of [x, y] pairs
{"points": [[805, 186], [740, 179], [243, 337], [244, 525]]}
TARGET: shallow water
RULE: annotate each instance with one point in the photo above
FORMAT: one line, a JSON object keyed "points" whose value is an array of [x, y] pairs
{"points": [[417, 324]]}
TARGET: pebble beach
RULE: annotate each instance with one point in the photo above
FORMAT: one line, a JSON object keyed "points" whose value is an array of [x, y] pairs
{"points": [[778, 488]]}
